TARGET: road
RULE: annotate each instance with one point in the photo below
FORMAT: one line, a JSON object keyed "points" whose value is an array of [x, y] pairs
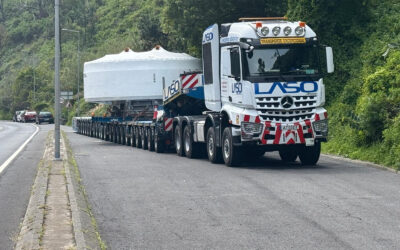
{"points": [[144, 200], [17, 179]]}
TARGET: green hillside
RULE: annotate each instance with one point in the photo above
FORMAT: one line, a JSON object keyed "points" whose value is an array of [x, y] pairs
{"points": [[363, 96]]}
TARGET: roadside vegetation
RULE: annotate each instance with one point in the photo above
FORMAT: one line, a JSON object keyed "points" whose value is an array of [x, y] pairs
{"points": [[363, 96]]}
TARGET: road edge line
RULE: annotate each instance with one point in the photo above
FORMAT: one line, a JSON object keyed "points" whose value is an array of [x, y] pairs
{"points": [[16, 153], [31, 230]]}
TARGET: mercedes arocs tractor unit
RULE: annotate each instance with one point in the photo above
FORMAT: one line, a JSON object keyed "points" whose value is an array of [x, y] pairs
{"points": [[259, 89]]}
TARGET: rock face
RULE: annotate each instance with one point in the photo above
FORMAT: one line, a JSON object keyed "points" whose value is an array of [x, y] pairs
{"points": [[133, 75]]}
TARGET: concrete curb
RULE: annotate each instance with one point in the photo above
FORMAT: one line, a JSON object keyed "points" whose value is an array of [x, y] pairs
{"points": [[32, 225], [84, 223], [366, 163], [76, 221]]}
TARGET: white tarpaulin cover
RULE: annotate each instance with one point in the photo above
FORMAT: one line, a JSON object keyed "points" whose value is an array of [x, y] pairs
{"points": [[133, 75]]}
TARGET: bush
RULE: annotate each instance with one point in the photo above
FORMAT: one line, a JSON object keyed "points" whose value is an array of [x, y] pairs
{"points": [[392, 144]]}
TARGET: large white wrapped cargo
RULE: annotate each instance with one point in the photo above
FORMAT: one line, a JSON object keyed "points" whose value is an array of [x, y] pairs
{"points": [[134, 75]]}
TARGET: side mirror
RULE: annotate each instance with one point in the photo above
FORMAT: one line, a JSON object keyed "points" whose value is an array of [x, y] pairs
{"points": [[329, 60], [247, 47]]}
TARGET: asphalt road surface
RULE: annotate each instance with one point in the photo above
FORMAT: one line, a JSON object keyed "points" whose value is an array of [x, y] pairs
{"points": [[17, 179], [144, 200]]}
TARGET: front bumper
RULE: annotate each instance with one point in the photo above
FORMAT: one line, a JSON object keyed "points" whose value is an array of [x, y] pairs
{"points": [[305, 132]]}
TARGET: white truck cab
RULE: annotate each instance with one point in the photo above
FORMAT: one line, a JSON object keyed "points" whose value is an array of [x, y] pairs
{"points": [[265, 76]]}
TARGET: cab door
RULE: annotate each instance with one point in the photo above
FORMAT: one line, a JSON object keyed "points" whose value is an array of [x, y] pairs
{"points": [[211, 61], [231, 84]]}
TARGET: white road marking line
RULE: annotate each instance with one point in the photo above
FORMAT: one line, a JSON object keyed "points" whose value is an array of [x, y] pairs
{"points": [[13, 156]]}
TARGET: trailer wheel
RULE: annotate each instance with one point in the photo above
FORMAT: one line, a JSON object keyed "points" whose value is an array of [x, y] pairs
{"points": [[102, 132], [213, 152], [93, 130], [178, 140], [288, 155], [96, 131], [106, 132], [123, 135], [138, 141], [114, 133], [310, 155], [133, 137], [159, 146], [150, 141], [128, 135], [144, 138]]}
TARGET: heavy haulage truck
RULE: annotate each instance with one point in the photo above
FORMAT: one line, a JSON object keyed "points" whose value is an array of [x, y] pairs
{"points": [[258, 88]]}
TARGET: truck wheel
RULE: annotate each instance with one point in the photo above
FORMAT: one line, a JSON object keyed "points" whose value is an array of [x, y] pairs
{"points": [[138, 141], [189, 146], [231, 154], [213, 152], [310, 155], [158, 145], [150, 141], [178, 140], [288, 155], [144, 138]]}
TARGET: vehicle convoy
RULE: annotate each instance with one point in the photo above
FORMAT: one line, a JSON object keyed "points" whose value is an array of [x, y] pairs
{"points": [[28, 116], [44, 116], [17, 116], [259, 89]]}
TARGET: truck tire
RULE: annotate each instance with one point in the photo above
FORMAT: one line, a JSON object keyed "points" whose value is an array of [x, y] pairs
{"points": [[310, 155], [159, 146], [288, 155], [138, 141], [232, 155], [143, 136], [189, 146], [150, 141], [178, 140], [213, 152]]}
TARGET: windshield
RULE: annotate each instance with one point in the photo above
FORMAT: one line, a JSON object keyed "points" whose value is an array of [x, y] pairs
{"points": [[294, 62]]}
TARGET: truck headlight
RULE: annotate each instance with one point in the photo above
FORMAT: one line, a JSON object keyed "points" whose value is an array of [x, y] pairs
{"points": [[264, 31], [321, 126], [249, 129]]}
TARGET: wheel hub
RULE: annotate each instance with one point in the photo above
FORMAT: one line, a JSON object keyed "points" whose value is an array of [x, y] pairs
{"points": [[210, 146], [226, 149]]}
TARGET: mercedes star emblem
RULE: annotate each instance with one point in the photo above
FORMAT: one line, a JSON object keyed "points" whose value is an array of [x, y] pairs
{"points": [[287, 102]]}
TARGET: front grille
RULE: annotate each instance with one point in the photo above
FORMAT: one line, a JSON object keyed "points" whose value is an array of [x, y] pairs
{"points": [[270, 109]]}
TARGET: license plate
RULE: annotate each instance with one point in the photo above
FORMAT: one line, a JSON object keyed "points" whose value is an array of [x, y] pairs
{"points": [[289, 127]]}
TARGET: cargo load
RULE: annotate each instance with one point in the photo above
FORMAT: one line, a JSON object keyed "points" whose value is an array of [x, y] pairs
{"points": [[133, 75]]}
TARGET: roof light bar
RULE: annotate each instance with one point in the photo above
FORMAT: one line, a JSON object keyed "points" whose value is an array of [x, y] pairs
{"points": [[243, 19]]}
